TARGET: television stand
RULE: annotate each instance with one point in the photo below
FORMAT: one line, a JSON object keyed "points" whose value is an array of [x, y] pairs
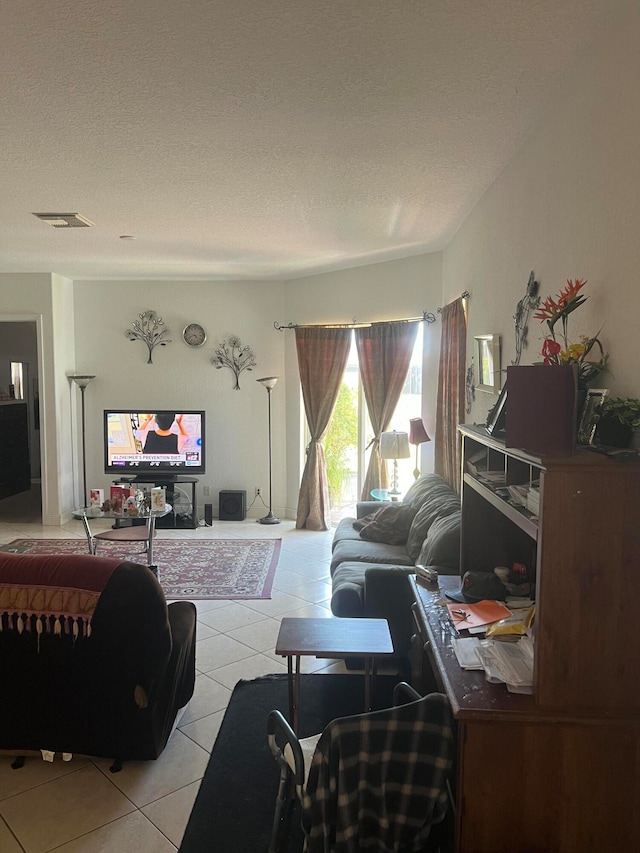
{"points": [[171, 520]]}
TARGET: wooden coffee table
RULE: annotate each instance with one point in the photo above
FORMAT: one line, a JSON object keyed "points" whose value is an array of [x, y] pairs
{"points": [[331, 638]]}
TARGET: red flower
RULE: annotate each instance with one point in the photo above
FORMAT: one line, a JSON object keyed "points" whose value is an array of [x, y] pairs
{"points": [[550, 350]]}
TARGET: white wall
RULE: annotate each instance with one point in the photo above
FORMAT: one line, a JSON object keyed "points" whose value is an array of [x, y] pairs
{"points": [[567, 206], [183, 377]]}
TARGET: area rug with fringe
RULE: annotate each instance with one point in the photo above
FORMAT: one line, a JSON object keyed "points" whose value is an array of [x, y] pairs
{"points": [[187, 568]]}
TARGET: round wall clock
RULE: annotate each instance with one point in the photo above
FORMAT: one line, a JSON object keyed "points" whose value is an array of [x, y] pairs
{"points": [[194, 335]]}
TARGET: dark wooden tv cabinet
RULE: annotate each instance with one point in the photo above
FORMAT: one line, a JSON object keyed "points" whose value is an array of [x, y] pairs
{"points": [[558, 770], [171, 520]]}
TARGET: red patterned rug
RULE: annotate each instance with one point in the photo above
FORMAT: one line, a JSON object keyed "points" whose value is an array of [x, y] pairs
{"points": [[187, 568]]}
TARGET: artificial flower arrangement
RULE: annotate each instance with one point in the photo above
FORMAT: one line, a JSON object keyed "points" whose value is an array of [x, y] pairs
{"points": [[556, 348]]}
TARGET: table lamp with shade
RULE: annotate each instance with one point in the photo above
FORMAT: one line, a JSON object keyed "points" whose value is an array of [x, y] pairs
{"points": [[417, 435], [394, 445]]}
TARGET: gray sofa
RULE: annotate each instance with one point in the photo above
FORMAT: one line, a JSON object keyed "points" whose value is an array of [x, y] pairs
{"points": [[370, 562]]}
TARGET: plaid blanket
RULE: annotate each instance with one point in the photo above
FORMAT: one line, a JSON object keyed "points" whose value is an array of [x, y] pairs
{"points": [[377, 781]]}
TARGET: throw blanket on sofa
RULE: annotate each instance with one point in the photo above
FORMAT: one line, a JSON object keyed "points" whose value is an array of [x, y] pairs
{"points": [[52, 594]]}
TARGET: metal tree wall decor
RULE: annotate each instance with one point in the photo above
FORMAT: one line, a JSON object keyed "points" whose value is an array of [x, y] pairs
{"points": [[232, 354], [148, 328], [528, 303]]}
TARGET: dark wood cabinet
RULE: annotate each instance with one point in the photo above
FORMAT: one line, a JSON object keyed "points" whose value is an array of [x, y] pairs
{"points": [[557, 770], [15, 466]]}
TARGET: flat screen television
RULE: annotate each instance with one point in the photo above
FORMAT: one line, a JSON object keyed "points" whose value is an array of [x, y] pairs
{"points": [[158, 445]]}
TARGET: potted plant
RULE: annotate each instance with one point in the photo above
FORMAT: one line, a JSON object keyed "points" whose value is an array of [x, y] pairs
{"points": [[617, 420]]}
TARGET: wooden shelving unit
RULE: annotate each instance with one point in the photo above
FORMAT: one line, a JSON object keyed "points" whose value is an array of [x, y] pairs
{"points": [[557, 770], [583, 554]]}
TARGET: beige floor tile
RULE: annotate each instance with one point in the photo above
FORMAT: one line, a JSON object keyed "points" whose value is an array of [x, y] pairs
{"points": [[205, 730], [181, 763], [203, 631], [208, 696], [308, 611], [204, 605], [228, 618], [66, 808], [313, 591], [34, 772], [8, 843], [286, 579], [134, 832], [248, 669], [278, 604], [261, 636], [171, 813], [218, 651]]}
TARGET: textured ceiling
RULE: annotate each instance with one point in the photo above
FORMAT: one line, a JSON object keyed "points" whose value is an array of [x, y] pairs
{"points": [[256, 140]]}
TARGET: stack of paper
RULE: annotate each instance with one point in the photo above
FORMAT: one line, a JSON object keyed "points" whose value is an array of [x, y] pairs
{"points": [[465, 649], [508, 663]]}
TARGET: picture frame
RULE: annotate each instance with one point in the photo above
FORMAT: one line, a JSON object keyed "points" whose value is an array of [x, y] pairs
{"points": [[496, 419], [588, 416], [487, 363]]}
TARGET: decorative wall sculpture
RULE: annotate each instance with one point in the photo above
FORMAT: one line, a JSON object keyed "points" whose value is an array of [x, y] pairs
{"points": [[230, 353], [148, 328]]}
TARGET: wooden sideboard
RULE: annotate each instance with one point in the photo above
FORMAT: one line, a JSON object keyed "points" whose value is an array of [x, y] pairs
{"points": [[559, 770]]}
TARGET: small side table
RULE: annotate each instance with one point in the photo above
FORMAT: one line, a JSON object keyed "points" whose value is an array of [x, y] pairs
{"points": [[122, 534], [330, 638]]}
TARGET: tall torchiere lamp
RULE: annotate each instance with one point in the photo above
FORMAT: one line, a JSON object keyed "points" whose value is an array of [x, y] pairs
{"points": [[82, 380], [268, 382], [417, 435], [394, 445]]}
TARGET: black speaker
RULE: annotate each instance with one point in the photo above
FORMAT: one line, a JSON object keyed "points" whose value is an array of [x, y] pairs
{"points": [[233, 505], [208, 514]]}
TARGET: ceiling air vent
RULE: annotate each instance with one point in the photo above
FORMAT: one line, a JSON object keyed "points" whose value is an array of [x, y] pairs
{"points": [[65, 220]]}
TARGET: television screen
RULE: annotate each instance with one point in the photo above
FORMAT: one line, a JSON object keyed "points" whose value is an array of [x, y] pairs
{"points": [[161, 444]]}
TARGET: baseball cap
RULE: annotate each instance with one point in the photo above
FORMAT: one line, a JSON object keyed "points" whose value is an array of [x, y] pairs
{"points": [[476, 586]]}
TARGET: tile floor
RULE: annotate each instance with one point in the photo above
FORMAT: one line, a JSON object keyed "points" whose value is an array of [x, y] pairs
{"points": [[79, 807]]}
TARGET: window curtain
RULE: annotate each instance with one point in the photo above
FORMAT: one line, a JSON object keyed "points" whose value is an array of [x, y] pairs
{"points": [[322, 358], [451, 387], [384, 355]]}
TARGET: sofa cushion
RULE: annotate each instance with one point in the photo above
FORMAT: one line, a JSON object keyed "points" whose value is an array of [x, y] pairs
{"points": [[441, 548], [345, 530], [438, 503], [390, 524], [362, 551], [421, 487]]}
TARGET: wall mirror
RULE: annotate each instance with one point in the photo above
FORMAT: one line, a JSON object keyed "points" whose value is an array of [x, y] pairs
{"points": [[487, 362]]}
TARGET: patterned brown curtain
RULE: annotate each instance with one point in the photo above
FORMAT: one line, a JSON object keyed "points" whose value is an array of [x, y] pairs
{"points": [[384, 355], [322, 358], [450, 403]]}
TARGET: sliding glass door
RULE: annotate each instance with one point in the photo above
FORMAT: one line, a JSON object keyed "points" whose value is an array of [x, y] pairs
{"points": [[348, 438]]}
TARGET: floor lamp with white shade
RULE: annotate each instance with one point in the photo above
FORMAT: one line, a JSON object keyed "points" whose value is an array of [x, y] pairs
{"points": [[82, 380], [269, 382]]}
